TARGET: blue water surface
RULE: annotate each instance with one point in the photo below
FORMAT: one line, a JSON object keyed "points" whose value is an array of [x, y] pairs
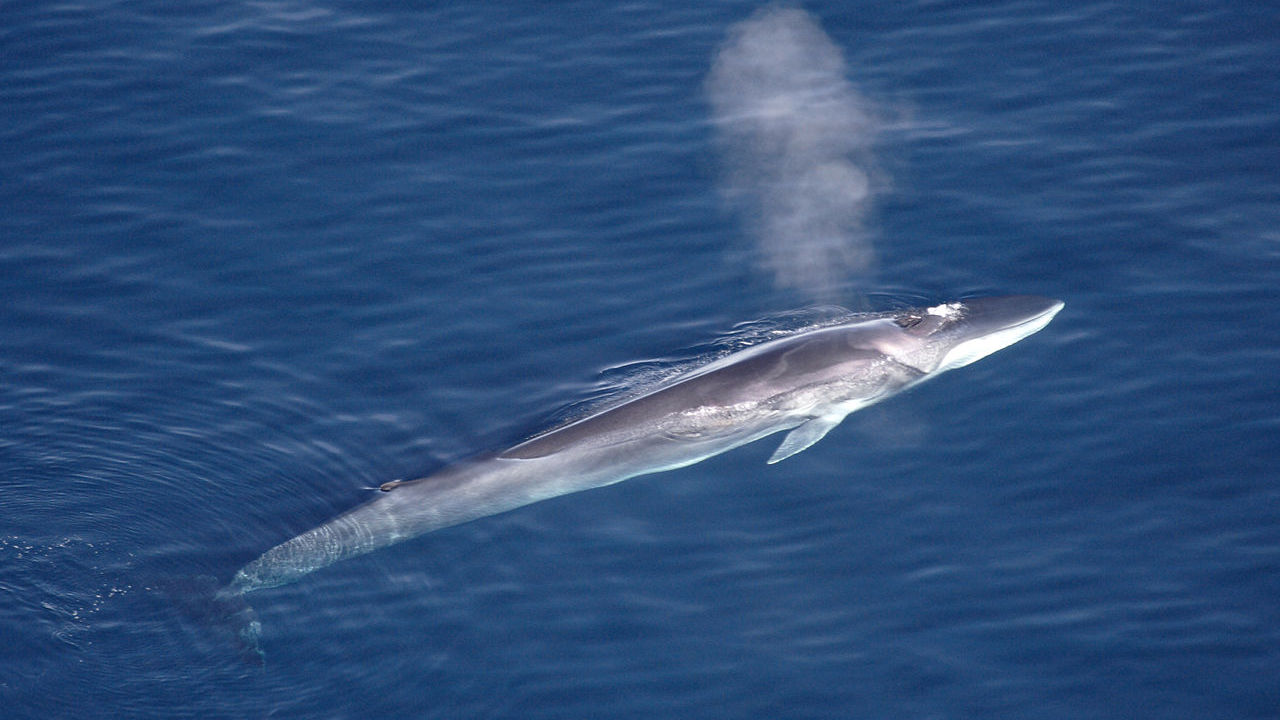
{"points": [[259, 257]]}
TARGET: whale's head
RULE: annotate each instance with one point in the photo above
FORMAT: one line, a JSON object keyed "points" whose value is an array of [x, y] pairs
{"points": [[955, 334]]}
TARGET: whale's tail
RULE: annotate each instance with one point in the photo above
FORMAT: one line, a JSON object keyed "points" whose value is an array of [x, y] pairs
{"points": [[240, 619], [220, 610]]}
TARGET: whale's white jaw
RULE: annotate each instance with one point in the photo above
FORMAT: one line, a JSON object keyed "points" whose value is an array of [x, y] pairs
{"points": [[976, 348]]}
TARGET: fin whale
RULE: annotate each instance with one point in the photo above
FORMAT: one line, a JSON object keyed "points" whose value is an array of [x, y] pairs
{"points": [[803, 384]]}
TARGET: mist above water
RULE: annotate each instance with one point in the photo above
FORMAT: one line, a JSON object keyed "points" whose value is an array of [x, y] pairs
{"points": [[796, 139]]}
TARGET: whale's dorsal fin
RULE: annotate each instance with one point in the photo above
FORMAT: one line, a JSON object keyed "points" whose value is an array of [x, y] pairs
{"points": [[804, 436]]}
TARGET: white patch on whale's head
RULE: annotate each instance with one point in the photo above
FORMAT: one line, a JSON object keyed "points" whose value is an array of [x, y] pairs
{"points": [[946, 311]]}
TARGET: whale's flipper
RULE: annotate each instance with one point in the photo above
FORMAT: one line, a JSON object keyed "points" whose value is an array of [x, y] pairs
{"points": [[804, 436]]}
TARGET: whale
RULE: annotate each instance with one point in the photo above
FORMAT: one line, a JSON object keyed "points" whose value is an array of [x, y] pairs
{"points": [[804, 384]]}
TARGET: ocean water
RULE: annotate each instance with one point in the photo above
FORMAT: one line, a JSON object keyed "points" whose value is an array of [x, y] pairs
{"points": [[257, 258]]}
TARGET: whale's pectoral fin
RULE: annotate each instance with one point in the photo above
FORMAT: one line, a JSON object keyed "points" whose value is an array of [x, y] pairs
{"points": [[804, 436]]}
